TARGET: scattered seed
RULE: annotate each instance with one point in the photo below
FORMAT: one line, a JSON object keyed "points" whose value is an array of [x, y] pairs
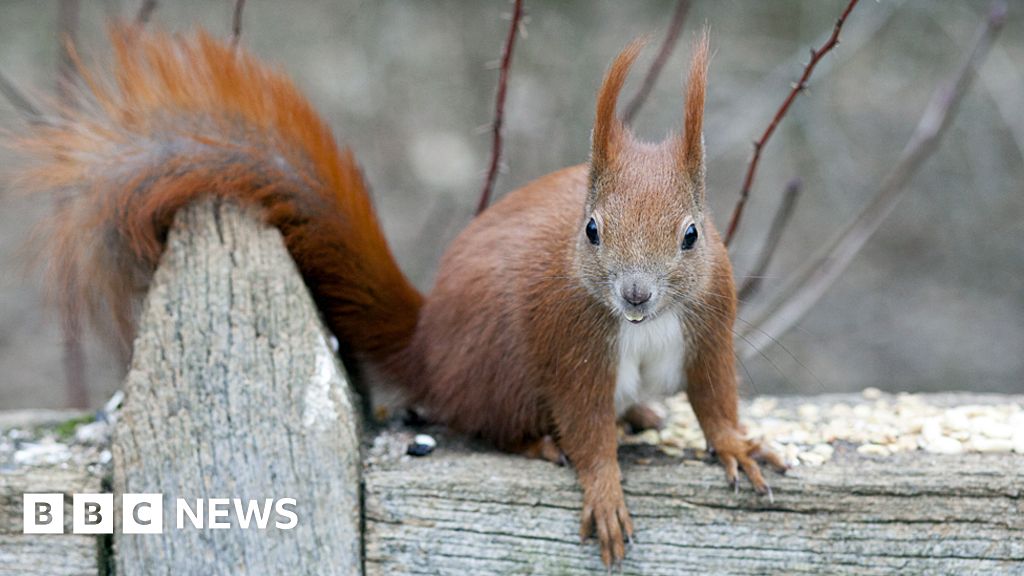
{"points": [[871, 393], [984, 444], [880, 425], [812, 459], [873, 450], [422, 445], [944, 445]]}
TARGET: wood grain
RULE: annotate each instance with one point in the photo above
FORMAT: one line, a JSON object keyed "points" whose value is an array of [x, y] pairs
{"points": [[234, 392], [464, 511], [51, 554]]}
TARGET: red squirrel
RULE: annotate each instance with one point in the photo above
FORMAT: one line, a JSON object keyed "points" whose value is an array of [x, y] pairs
{"points": [[584, 292]]}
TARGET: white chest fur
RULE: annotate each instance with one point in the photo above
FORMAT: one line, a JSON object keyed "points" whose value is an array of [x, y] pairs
{"points": [[650, 361]]}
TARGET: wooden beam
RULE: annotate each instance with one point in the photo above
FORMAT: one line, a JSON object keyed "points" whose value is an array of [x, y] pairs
{"points": [[466, 511], [47, 555], [235, 392]]}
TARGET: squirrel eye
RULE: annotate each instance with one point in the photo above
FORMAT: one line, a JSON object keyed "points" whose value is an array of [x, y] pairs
{"points": [[592, 232], [690, 237]]}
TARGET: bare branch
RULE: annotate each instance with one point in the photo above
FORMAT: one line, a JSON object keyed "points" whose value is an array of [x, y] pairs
{"points": [[800, 86], [808, 285], [73, 360], [236, 23], [145, 12], [782, 215], [18, 99], [499, 107], [675, 28], [73, 354], [67, 26]]}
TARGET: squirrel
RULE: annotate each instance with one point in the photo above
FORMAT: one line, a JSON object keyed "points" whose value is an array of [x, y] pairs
{"points": [[586, 291]]}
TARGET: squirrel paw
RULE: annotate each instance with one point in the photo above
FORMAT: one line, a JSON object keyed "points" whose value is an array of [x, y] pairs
{"points": [[544, 448], [640, 417], [736, 452], [606, 514]]}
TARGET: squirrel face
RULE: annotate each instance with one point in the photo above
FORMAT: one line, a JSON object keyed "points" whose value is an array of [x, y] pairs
{"points": [[642, 248]]}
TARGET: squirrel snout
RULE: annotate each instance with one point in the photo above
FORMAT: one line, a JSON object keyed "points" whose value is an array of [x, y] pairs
{"points": [[635, 293]]}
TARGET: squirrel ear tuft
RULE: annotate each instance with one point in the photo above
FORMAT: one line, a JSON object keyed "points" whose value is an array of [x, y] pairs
{"points": [[691, 149], [607, 136]]}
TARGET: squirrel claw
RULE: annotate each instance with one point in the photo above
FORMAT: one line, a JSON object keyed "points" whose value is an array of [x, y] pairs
{"points": [[766, 456], [737, 453], [610, 521]]}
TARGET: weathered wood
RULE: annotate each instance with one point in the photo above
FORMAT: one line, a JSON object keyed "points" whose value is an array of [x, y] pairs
{"points": [[52, 554], [36, 458], [466, 511], [234, 392]]}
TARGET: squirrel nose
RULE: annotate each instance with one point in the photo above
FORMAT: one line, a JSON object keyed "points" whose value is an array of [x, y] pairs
{"points": [[636, 295]]}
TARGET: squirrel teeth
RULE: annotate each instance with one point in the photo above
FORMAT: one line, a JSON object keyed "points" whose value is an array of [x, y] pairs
{"points": [[633, 316]]}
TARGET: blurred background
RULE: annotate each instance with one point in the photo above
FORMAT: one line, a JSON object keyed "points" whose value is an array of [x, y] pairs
{"points": [[935, 301]]}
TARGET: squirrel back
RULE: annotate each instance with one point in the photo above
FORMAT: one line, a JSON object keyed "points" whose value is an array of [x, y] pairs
{"points": [[190, 117]]}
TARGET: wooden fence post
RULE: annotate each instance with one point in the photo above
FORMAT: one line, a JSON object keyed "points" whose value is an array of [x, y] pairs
{"points": [[235, 392]]}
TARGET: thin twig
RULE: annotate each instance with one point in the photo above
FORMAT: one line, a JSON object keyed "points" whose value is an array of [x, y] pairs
{"points": [[675, 28], [736, 132], [782, 215], [800, 86], [808, 285], [18, 99], [499, 107], [73, 354], [67, 26], [145, 12], [236, 23]]}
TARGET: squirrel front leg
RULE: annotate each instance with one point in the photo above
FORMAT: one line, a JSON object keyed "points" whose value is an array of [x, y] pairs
{"points": [[711, 388], [587, 434]]}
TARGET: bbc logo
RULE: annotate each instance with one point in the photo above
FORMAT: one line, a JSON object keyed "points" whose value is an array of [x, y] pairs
{"points": [[93, 514], [144, 513]]}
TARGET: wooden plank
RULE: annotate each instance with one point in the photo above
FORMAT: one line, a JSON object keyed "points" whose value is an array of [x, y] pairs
{"points": [[51, 554], [464, 510]]}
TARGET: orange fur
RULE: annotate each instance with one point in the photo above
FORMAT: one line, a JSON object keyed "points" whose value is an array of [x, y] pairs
{"points": [[608, 128], [691, 150], [192, 117]]}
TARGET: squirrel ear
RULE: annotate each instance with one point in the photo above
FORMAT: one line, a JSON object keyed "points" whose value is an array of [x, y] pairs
{"points": [[691, 149], [607, 137]]}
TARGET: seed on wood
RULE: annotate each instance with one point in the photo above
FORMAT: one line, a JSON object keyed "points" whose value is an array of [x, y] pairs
{"points": [[422, 445]]}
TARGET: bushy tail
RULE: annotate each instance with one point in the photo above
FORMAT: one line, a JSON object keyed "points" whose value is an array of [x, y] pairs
{"points": [[186, 118]]}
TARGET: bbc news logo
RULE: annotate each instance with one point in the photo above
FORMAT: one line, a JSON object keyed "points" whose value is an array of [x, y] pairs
{"points": [[144, 513]]}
